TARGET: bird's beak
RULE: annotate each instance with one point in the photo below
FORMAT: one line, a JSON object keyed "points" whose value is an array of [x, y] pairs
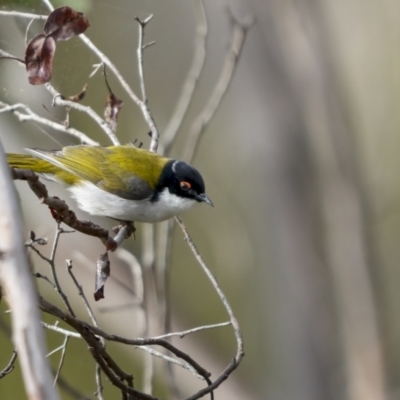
{"points": [[203, 197]]}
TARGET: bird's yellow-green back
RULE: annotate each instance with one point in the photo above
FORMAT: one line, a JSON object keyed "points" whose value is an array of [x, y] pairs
{"points": [[110, 168]]}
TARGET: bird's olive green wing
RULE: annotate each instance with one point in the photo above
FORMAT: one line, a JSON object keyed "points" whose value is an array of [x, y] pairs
{"points": [[81, 161], [130, 172], [125, 171]]}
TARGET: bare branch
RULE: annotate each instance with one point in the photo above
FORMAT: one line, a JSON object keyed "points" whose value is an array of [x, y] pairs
{"points": [[72, 391], [58, 100], [51, 262], [193, 330], [29, 115], [150, 299], [191, 79], [83, 328], [142, 25], [211, 277], [41, 276], [64, 348], [171, 360], [57, 349], [81, 293], [231, 59], [136, 272], [235, 324], [19, 14], [104, 59], [3, 56], [63, 331], [10, 366], [99, 383], [27, 32], [17, 285]]}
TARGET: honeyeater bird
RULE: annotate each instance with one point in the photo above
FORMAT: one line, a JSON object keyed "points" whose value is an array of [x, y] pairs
{"points": [[125, 183]]}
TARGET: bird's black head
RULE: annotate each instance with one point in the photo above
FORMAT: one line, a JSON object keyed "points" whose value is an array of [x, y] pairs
{"points": [[182, 180]]}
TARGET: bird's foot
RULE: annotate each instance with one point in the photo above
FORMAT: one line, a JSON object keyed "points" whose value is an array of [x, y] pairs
{"points": [[128, 227]]}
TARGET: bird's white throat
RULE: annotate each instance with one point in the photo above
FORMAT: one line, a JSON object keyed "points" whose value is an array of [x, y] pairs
{"points": [[96, 201]]}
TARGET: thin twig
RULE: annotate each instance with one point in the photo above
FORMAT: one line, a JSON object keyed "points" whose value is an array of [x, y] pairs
{"points": [[83, 328], [164, 247], [57, 349], [27, 31], [2, 57], [192, 77], [148, 372], [29, 115], [141, 47], [99, 391], [193, 330], [99, 383], [116, 381], [59, 100], [143, 107], [81, 293], [61, 382], [70, 389], [142, 25], [63, 331], [10, 366], [150, 300], [119, 307], [43, 257], [64, 348], [235, 324], [171, 360], [51, 261], [96, 348], [136, 273], [108, 365], [19, 14], [41, 276], [221, 294], [239, 34]]}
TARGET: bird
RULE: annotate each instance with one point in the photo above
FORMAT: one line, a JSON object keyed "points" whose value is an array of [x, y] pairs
{"points": [[124, 182]]}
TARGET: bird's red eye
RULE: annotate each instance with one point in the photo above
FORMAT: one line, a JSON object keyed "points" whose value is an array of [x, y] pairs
{"points": [[185, 185]]}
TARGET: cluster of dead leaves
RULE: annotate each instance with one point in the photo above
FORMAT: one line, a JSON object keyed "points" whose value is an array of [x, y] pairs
{"points": [[62, 24]]}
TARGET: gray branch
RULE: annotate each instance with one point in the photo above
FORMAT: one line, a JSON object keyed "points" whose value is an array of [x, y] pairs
{"points": [[16, 280]]}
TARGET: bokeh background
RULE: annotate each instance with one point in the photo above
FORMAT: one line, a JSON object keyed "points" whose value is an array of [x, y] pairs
{"points": [[301, 161]]}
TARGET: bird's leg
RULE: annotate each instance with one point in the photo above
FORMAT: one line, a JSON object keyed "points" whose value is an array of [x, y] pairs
{"points": [[129, 228]]}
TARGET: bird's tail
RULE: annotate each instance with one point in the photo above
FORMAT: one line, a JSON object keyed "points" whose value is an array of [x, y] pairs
{"points": [[24, 161], [42, 167]]}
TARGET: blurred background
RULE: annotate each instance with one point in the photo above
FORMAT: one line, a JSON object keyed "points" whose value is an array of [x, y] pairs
{"points": [[301, 163]]}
